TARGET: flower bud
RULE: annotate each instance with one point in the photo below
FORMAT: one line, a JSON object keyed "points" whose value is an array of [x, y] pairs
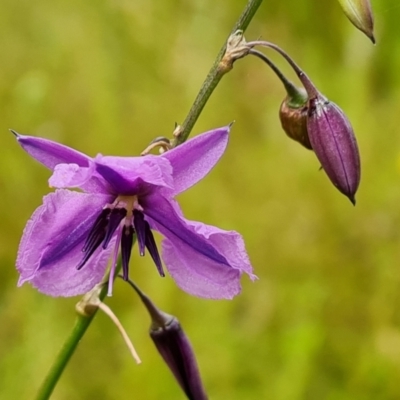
{"points": [[174, 347], [334, 143], [293, 116], [359, 12]]}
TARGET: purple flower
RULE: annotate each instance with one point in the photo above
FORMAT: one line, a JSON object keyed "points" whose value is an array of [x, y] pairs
{"points": [[70, 238]]}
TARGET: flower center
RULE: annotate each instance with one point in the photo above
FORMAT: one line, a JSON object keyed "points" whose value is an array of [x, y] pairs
{"points": [[125, 220]]}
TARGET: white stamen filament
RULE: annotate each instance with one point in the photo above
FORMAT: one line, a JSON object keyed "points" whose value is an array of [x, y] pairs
{"points": [[107, 310]]}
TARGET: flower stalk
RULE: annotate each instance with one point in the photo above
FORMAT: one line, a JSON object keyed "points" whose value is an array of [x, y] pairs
{"points": [[80, 327], [216, 73]]}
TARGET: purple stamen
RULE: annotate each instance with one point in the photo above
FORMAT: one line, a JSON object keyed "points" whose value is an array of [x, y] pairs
{"points": [[140, 228], [95, 243], [116, 216], [152, 247], [126, 248], [99, 225]]}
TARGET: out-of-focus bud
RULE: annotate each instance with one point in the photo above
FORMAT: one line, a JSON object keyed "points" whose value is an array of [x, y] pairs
{"points": [[334, 143], [293, 116], [174, 347], [359, 12]]}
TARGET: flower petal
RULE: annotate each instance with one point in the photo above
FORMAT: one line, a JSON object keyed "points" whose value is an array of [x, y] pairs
{"points": [[166, 218], [134, 175], [51, 153], [203, 260], [199, 275], [51, 245], [193, 160], [75, 176]]}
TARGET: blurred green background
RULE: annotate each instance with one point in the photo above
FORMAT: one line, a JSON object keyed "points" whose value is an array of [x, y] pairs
{"points": [[323, 320]]}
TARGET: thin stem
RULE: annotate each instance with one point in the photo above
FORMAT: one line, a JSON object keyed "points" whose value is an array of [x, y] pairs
{"points": [[291, 89], [82, 323], [215, 74], [66, 352], [305, 80]]}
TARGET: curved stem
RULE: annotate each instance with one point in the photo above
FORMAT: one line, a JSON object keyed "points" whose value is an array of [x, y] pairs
{"points": [[291, 89], [305, 80], [215, 75]]}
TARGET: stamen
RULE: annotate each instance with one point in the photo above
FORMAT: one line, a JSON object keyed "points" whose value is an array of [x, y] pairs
{"points": [[89, 251], [152, 247], [95, 236], [116, 216], [140, 228], [126, 248], [99, 225]]}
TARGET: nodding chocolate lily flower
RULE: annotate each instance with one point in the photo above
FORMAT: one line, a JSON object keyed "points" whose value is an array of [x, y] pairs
{"points": [[329, 132], [174, 347], [67, 243], [359, 12]]}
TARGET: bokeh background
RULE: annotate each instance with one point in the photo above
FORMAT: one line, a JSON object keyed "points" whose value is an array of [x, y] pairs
{"points": [[323, 320]]}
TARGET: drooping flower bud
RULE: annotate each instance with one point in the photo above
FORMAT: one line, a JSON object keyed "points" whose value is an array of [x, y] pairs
{"points": [[359, 12], [332, 138], [174, 347]]}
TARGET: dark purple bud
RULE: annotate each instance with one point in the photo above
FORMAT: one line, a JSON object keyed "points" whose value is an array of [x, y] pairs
{"points": [[177, 352], [334, 143], [175, 348]]}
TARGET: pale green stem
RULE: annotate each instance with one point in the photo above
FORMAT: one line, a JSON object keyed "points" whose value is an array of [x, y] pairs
{"points": [[66, 352], [82, 322], [215, 74]]}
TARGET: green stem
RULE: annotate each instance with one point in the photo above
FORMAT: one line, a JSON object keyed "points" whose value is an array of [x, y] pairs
{"points": [[215, 74], [82, 323], [66, 352]]}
